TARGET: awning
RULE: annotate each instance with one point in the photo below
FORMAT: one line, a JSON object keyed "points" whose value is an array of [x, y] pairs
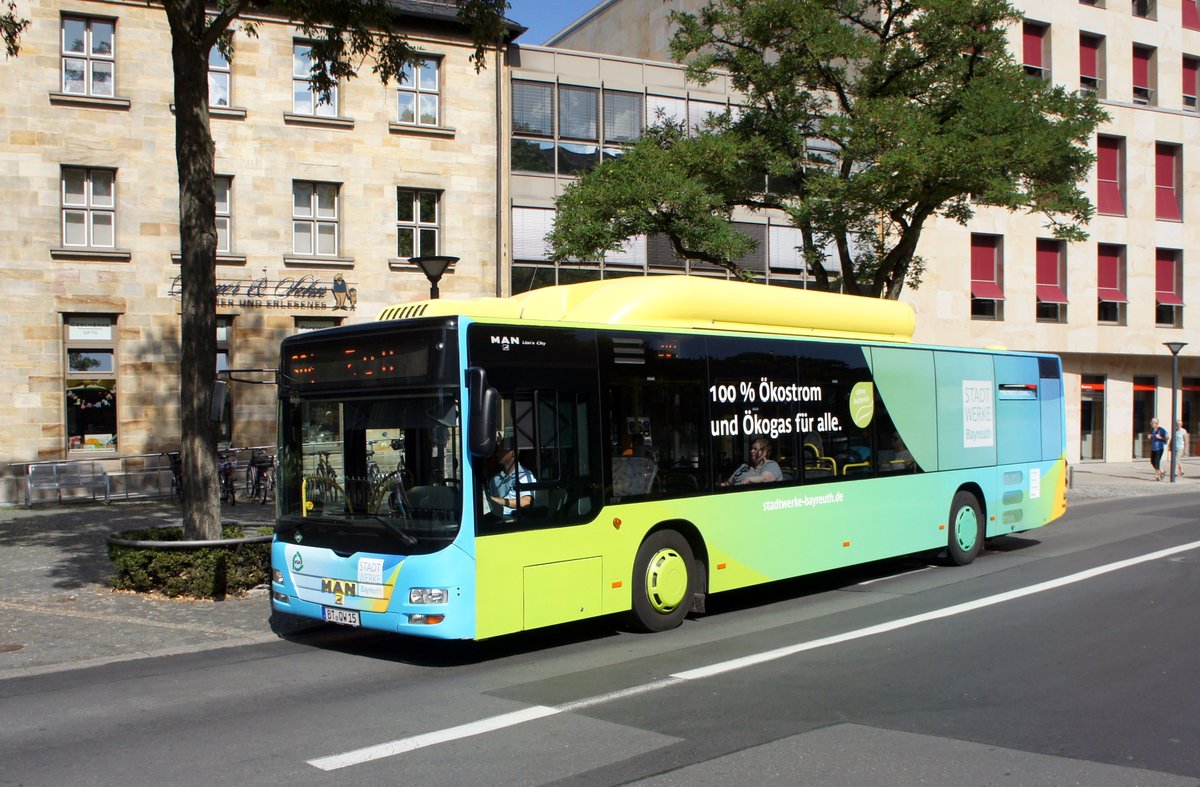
{"points": [[987, 290], [1168, 299], [1051, 293], [1109, 295]]}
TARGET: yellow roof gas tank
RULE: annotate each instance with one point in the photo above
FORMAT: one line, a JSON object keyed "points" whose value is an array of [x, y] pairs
{"points": [[688, 303]]}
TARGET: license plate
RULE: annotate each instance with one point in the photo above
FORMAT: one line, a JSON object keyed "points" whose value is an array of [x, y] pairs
{"points": [[344, 617]]}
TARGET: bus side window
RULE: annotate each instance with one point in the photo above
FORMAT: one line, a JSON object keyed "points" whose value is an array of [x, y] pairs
{"points": [[550, 431]]}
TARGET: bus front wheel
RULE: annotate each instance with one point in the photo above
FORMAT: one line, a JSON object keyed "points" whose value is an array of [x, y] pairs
{"points": [[966, 529], [664, 575]]}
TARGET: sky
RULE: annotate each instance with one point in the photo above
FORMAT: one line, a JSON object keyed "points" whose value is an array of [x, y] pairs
{"points": [[544, 18]]}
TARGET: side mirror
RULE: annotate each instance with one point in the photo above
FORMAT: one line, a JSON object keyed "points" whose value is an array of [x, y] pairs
{"points": [[483, 408], [220, 393]]}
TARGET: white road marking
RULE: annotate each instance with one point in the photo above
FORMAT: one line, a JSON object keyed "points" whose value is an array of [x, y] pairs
{"points": [[895, 576], [493, 723]]}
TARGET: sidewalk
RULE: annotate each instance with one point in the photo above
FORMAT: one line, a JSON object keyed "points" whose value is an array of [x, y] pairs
{"points": [[58, 612]]}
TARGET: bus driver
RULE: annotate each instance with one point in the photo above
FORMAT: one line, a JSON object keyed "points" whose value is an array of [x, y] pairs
{"points": [[502, 487]]}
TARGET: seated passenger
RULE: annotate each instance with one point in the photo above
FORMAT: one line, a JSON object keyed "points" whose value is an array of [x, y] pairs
{"points": [[761, 469], [502, 487]]}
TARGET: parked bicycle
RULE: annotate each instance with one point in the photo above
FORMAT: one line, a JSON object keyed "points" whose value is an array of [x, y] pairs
{"points": [[176, 476], [225, 472], [262, 466]]}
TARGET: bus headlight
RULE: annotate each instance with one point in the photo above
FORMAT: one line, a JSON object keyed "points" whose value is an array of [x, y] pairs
{"points": [[277, 575], [428, 596]]}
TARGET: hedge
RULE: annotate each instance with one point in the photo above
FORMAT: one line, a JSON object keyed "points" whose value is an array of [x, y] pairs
{"points": [[207, 572]]}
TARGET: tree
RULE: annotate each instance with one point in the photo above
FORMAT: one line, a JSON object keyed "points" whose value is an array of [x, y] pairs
{"points": [[345, 34], [862, 120]]}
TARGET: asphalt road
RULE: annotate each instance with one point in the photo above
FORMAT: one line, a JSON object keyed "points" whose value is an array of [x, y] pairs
{"points": [[1064, 656]]}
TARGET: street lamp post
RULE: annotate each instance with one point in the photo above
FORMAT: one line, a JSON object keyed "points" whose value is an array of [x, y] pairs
{"points": [[1174, 347], [433, 266]]}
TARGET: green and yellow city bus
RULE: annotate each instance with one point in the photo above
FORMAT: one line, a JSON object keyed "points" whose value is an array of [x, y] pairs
{"points": [[628, 405]]}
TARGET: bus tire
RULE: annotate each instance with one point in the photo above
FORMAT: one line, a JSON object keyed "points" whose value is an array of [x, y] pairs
{"points": [[664, 579], [966, 526]]}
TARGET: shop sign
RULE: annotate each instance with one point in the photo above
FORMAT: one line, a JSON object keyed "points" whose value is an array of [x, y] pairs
{"points": [[301, 292]]}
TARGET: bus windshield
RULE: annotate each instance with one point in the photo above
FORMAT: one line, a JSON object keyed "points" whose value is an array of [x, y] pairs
{"points": [[372, 473]]}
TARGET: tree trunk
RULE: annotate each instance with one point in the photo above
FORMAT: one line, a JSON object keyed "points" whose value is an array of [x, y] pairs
{"points": [[194, 154]]}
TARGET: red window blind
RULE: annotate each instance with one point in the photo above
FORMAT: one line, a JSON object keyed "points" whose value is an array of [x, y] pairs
{"points": [[1190, 67], [1109, 176], [1165, 291], [1049, 286], [1109, 286], [1089, 56], [1191, 15], [1166, 197], [983, 268], [1141, 66], [1033, 44]]}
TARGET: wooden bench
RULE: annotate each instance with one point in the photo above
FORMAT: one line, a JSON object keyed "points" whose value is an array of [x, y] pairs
{"points": [[58, 476]]}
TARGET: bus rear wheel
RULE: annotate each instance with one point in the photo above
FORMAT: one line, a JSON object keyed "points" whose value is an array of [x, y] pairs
{"points": [[966, 529], [664, 576]]}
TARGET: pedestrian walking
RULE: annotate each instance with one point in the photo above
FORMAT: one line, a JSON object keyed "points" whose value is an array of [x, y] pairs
{"points": [[1158, 441], [1179, 447]]}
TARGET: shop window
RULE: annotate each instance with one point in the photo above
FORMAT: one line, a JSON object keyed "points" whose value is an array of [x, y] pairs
{"points": [[91, 382]]}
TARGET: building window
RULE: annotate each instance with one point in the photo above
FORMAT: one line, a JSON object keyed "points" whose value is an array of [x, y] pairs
{"points": [[1143, 75], [89, 215], [533, 116], [661, 109], [315, 219], [1110, 284], [1190, 67], [305, 101], [223, 186], [1143, 9], [622, 116], [1091, 63], [530, 226], [1168, 288], [219, 75], [1051, 281], [91, 382], [1036, 58], [310, 324], [1110, 175], [418, 94], [578, 129], [88, 56], [987, 278], [416, 223], [1191, 15], [570, 129], [1167, 193]]}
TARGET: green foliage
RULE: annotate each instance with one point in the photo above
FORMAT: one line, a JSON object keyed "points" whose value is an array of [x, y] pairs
{"points": [[667, 182], [863, 119], [198, 573], [11, 27]]}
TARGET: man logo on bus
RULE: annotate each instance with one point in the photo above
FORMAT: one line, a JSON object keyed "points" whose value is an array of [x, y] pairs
{"points": [[340, 588], [507, 341]]}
